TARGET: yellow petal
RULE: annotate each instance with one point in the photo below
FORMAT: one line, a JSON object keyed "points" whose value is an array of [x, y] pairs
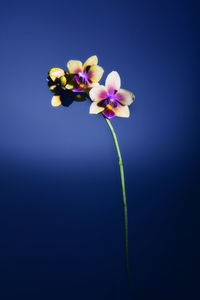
{"points": [[98, 93], [63, 80], [52, 87], [74, 66], [55, 101], [69, 86], [95, 109], [113, 81], [122, 111], [56, 73], [92, 60], [95, 73]]}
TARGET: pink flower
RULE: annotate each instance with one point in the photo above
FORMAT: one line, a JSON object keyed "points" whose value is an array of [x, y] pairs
{"points": [[110, 99]]}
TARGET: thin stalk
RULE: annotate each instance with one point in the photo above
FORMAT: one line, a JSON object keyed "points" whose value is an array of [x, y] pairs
{"points": [[124, 199]]}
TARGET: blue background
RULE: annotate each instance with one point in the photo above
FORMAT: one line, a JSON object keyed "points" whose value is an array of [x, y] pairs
{"points": [[61, 206]]}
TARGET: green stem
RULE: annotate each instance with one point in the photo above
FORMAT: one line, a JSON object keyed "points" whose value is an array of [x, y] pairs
{"points": [[124, 199]]}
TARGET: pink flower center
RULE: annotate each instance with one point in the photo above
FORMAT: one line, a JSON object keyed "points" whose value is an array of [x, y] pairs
{"points": [[112, 100]]}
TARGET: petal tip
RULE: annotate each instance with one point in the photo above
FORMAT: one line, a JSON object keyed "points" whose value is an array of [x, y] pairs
{"points": [[91, 61], [113, 81], [74, 66]]}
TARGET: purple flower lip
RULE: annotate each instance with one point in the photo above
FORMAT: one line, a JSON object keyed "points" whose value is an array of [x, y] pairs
{"points": [[108, 113]]}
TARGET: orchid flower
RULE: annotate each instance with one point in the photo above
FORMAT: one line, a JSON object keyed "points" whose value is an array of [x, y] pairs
{"points": [[85, 75], [110, 99]]}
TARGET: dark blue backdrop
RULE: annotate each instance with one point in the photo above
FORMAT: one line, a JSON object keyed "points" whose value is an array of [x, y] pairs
{"points": [[61, 206]]}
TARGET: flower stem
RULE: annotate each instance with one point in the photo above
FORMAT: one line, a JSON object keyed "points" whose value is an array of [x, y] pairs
{"points": [[124, 200]]}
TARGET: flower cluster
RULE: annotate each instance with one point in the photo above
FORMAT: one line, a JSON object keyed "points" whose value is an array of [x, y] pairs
{"points": [[80, 79]]}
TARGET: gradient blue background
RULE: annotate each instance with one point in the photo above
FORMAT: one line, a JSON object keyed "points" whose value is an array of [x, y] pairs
{"points": [[60, 198]]}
